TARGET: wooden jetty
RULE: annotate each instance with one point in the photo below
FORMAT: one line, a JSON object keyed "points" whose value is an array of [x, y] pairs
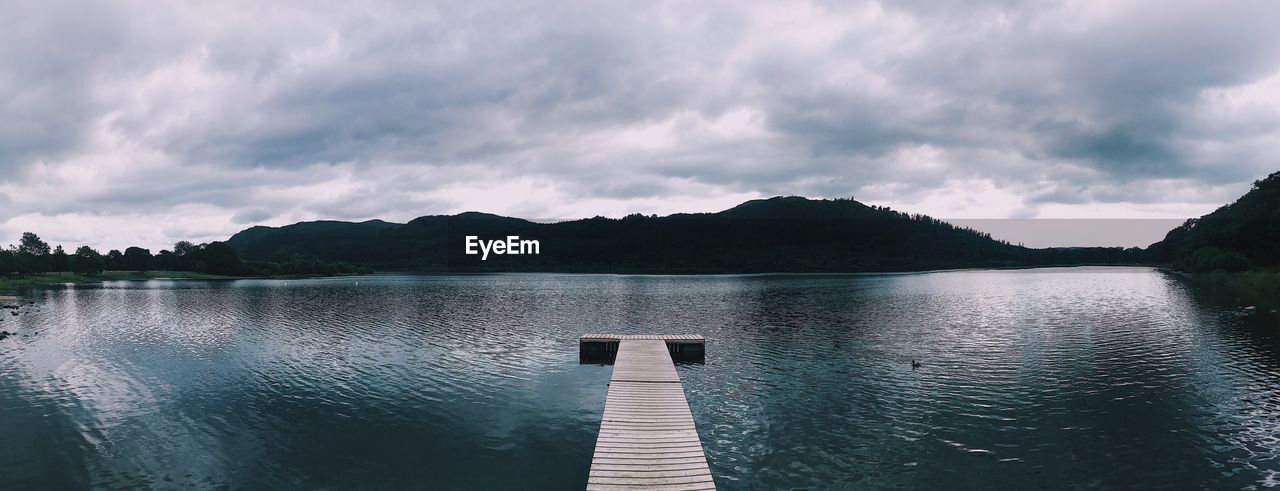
{"points": [[604, 347], [647, 436]]}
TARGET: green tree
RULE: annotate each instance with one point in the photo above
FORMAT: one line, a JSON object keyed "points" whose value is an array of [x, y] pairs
{"points": [[87, 261], [1230, 261], [6, 262], [137, 259], [61, 261], [184, 256], [115, 260], [184, 248], [164, 261], [31, 244], [219, 258], [32, 254]]}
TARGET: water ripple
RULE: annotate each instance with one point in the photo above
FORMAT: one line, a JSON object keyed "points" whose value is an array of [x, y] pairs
{"points": [[1070, 377]]}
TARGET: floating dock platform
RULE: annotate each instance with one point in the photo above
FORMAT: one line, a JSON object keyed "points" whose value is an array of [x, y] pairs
{"points": [[603, 348], [647, 436]]}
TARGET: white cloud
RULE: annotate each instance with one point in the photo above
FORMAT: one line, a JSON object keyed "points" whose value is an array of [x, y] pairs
{"points": [[140, 123]]}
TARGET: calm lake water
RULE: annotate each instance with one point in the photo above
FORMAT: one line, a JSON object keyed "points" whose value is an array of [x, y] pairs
{"points": [[1050, 378]]}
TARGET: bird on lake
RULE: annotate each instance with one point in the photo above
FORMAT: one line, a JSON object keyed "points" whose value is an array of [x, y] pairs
{"points": [[915, 364]]}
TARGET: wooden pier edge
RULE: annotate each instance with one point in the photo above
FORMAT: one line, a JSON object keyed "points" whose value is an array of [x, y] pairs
{"points": [[595, 348], [647, 437]]}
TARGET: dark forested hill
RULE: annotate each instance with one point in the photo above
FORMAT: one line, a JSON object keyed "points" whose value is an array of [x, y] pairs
{"points": [[1235, 237], [326, 239], [783, 234]]}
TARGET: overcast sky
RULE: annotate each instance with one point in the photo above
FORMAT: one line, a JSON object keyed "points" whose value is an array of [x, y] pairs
{"points": [[144, 123]]}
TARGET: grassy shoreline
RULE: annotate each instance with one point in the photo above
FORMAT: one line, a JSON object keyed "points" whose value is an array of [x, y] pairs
{"points": [[1258, 287], [1261, 284], [12, 282]]}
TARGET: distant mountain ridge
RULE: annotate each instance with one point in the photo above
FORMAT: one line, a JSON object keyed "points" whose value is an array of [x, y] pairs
{"points": [[325, 239], [780, 234]]}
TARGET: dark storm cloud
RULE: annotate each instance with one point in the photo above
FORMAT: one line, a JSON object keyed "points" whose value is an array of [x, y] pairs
{"points": [[1119, 95], [283, 110], [475, 84]]}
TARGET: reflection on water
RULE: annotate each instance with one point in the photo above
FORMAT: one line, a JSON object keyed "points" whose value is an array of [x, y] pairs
{"points": [[1072, 377]]}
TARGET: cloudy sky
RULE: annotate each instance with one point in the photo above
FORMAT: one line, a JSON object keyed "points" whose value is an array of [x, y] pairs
{"points": [[143, 123]]}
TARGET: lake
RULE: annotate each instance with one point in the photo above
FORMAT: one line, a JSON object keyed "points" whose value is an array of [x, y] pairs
{"points": [[1045, 378]]}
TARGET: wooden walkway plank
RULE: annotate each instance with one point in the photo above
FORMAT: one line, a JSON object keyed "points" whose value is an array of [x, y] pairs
{"points": [[648, 439]]}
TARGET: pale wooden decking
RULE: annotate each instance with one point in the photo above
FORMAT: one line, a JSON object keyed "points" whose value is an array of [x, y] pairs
{"points": [[664, 337], [647, 436]]}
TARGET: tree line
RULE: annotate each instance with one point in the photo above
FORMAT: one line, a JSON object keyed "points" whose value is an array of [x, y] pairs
{"points": [[32, 255], [784, 234], [1240, 236]]}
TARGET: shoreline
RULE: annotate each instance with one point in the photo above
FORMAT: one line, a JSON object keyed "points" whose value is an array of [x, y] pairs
{"points": [[429, 272], [1258, 282], [1258, 287], [12, 284]]}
